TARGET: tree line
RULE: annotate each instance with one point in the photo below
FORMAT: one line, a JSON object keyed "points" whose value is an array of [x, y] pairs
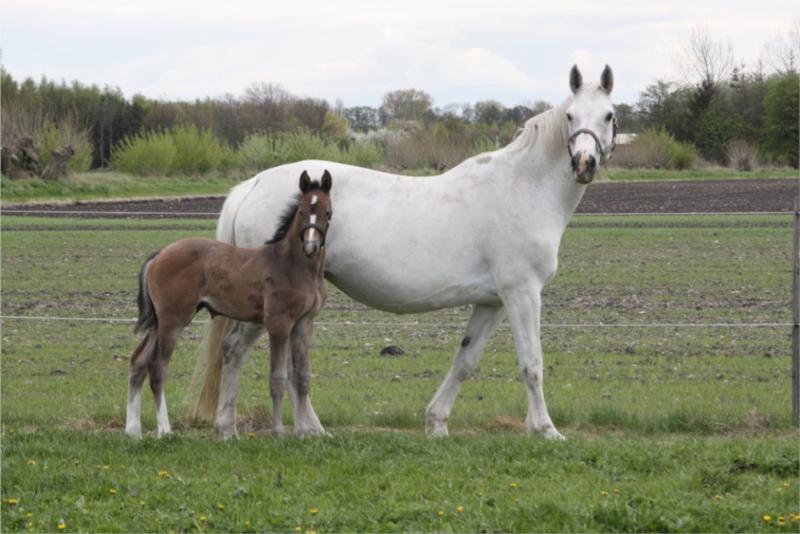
{"points": [[716, 106]]}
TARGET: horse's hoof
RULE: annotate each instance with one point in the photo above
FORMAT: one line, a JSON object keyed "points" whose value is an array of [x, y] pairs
{"points": [[437, 429], [134, 433], [548, 432]]}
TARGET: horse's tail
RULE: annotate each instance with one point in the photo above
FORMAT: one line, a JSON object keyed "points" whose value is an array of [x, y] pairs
{"points": [[148, 320], [208, 370]]}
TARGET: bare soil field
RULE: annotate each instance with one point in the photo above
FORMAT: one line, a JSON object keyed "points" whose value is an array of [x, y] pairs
{"points": [[717, 196]]}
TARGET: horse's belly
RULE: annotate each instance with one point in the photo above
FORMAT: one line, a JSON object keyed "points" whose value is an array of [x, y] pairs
{"points": [[397, 294]]}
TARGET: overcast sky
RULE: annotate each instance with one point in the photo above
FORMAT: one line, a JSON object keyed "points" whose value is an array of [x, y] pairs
{"points": [[457, 51]]}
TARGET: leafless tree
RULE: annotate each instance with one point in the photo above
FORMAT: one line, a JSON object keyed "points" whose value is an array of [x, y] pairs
{"points": [[782, 51], [705, 60]]}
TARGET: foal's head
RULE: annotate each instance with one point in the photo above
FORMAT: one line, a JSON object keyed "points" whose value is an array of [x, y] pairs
{"points": [[314, 212], [591, 122]]}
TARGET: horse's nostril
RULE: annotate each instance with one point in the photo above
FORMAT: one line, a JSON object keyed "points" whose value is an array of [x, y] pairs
{"points": [[592, 162], [575, 160]]}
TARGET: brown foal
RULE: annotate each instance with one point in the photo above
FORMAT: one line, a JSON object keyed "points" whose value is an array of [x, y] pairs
{"points": [[278, 285]]}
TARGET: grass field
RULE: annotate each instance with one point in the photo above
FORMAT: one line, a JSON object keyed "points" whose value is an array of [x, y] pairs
{"points": [[670, 428]]}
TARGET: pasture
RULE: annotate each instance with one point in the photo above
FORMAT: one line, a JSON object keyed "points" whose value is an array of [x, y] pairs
{"points": [[669, 428]]}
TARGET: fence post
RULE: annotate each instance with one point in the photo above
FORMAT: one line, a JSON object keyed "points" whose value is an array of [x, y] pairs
{"points": [[796, 316]]}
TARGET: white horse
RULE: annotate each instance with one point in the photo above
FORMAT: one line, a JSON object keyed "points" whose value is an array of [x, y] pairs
{"points": [[484, 233]]}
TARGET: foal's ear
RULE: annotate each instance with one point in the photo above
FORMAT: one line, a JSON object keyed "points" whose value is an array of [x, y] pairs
{"points": [[607, 80], [575, 79], [305, 182], [327, 181]]}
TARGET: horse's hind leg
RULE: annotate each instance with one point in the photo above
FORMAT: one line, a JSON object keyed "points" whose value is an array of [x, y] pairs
{"points": [[140, 360], [306, 421], [236, 347], [167, 338], [482, 323]]}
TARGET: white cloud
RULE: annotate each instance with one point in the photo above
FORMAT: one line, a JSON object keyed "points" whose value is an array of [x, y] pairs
{"points": [[457, 51]]}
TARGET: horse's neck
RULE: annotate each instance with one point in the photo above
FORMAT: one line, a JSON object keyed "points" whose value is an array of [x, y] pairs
{"points": [[551, 182]]}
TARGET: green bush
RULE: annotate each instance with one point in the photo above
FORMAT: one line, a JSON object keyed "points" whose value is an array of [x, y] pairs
{"points": [[262, 151], [54, 136], [656, 149], [781, 130], [185, 150], [151, 153], [196, 151]]}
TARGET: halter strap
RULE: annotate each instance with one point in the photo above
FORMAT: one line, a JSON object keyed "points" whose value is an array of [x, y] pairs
{"points": [[605, 153]]}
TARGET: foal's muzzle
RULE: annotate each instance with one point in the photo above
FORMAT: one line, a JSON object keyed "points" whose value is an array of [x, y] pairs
{"points": [[313, 244]]}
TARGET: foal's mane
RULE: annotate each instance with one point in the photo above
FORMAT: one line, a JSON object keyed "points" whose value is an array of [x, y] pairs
{"points": [[285, 222]]}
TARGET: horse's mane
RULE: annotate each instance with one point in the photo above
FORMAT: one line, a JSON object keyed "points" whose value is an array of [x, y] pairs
{"points": [[285, 222], [549, 126]]}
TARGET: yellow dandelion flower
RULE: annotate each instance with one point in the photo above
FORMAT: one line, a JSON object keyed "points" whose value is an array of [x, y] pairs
{"points": [[203, 519], [440, 513], [141, 503], [781, 520], [220, 506], [112, 491], [106, 467], [31, 462], [247, 524], [29, 515], [616, 491], [459, 509], [298, 529], [604, 494], [794, 518], [766, 518], [717, 497], [164, 474], [30, 526], [12, 502], [513, 485], [61, 524], [313, 511], [251, 434]]}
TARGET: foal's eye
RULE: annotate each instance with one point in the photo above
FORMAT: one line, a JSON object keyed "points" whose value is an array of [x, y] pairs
{"points": [[609, 116], [569, 117]]}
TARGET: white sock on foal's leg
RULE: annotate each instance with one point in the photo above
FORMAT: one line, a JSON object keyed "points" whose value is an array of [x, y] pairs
{"points": [[133, 423], [162, 416]]}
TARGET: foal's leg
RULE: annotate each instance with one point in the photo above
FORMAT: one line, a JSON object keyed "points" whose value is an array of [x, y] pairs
{"points": [[306, 421], [524, 308], [278, 378], [236, 347], [140, 360], [168, 333], [482, 323]]}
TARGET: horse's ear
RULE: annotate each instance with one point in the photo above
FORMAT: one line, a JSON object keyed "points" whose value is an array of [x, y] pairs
{"points": [[305, 182], [575, 79], [607, 80], [327, 181]]}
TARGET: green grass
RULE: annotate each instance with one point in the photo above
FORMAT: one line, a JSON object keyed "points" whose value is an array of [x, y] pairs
{"points": [[105, 184], [616, 174], [690, 426]]}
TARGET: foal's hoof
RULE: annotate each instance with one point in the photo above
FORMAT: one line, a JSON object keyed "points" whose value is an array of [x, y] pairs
{"points": [[437, 429], [548, 432], [134, 433]]}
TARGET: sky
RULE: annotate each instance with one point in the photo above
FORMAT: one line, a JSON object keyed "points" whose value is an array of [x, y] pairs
{"points": [[355, 51]]}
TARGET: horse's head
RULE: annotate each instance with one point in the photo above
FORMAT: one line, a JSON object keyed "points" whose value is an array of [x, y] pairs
{"points": [[314, 212], [591, 123]]}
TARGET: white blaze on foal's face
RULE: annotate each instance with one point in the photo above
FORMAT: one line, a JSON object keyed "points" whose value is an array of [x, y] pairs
{"points": [[312, 232]]}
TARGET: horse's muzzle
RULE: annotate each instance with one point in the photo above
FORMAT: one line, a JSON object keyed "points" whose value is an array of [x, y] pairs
{"points": [[311, 247], [584, 165]]}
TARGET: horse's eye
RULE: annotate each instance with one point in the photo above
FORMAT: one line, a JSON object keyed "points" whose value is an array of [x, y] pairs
{"points": [[609, 116], [329, 214], [569, 117]]}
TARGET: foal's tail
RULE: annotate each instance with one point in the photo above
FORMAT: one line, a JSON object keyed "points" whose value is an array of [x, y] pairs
{"points": [[148, 320]]}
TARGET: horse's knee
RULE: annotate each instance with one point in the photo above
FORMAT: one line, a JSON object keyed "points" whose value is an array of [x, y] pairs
{"points": [[531, 375], [302, 383]]}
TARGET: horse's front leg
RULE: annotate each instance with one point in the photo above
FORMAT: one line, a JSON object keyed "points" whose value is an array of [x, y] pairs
{"points": [[236, 348], [306, 421], [278, 378], [482, 323], [523, 305]]}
